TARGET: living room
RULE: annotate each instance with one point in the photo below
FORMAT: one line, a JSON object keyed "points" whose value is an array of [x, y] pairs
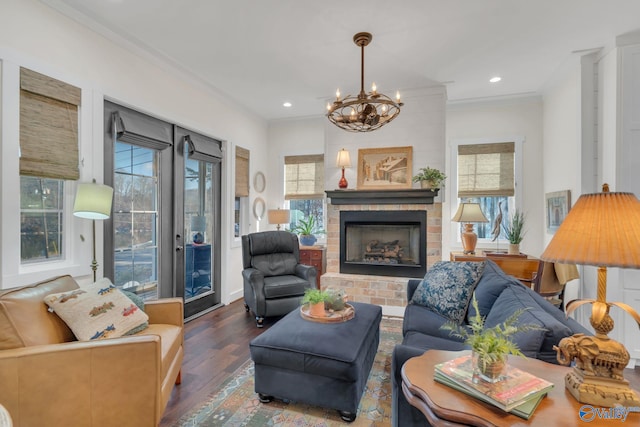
{"points": [[575, 131]]}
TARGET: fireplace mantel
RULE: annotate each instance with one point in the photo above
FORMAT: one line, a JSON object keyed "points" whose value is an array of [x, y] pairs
{"points": [[381, 197]]}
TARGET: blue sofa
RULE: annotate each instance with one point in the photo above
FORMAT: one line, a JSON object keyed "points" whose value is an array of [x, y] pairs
{"points": [[498, 295]]}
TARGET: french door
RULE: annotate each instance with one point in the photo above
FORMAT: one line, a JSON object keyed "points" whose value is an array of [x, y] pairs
{"points": [[163, 237]]}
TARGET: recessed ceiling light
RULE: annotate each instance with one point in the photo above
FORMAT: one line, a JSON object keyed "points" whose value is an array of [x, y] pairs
{"points": [[495, 79], [287, 104]]}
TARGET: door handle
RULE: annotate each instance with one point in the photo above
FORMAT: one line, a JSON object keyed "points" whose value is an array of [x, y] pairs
{"points": [[179, 248]]}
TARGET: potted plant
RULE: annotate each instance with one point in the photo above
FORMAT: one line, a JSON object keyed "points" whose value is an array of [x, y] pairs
{"points": [[429, 178], [490, 346], [305, 229], [514, 231], [316, 299]]}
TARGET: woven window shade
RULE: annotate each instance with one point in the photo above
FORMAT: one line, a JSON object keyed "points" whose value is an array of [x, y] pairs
{"points": [[304, 177], [242, 172], [486, 170], [48, 127]]}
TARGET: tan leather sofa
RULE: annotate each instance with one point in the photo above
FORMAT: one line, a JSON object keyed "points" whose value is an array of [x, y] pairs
{"points": [[47, 378]]}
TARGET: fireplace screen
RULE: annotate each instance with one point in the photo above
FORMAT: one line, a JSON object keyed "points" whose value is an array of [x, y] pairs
{"points": [[383, 243]]}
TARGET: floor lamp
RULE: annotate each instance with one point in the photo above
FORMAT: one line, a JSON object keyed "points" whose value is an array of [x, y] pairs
{"points": [[93, 201]]}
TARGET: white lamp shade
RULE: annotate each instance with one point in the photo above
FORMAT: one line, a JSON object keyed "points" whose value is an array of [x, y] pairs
{"points": [[198, 223], [93, 201], [469, 212], [343, 160], [278, 216]]}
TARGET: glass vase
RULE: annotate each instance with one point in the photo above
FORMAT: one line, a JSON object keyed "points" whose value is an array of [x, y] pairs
{"points": [[489, 371]]}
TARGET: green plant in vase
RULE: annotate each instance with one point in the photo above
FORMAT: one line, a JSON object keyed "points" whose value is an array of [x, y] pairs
{"points": [[429, 178], [316, 299], [490, 346], [306, 228], [514, 231]]}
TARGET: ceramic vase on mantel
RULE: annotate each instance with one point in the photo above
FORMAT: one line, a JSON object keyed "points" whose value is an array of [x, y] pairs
{"points": [[514, 249], [428, 185]]}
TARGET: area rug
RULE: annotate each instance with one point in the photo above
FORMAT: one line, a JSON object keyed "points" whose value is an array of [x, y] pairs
{"points": [[236, 403]]}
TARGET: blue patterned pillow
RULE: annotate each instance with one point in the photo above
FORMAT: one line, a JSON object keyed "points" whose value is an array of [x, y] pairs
{"points": [[447, 288]]}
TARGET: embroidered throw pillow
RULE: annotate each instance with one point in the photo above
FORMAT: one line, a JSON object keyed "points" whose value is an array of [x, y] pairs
{"points": [[447, 288], [97, 311]]}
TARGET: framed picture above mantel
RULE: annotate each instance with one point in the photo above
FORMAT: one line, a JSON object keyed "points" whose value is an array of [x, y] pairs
{"points": [[384, 168]]}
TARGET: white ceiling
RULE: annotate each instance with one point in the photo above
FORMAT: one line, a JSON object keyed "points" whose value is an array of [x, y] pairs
{"points": [[264, 52]]}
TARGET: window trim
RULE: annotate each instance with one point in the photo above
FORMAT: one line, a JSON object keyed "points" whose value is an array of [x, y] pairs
{"points": [[518, 141]]}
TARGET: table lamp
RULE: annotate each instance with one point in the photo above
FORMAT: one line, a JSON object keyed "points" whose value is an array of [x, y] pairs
{"points": [[278, 216], [343, 161], [93, 201], [469, 213], [603, 230]]}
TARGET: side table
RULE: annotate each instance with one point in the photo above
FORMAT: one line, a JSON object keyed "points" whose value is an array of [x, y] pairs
{"points": [[444, 406], [314, 256]]}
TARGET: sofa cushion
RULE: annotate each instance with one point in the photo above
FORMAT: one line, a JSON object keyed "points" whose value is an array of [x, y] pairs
{"points": [[532, 343], [447, 288], [425, 321], [170, 342], [489, 288], [96, 311], [24, 320]]}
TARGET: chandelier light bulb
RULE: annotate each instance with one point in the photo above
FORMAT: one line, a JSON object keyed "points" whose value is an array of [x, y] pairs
{"points": [[373, 88], [338, 94], [328, 106], [398, 96], [384, 109], [353, 113]]}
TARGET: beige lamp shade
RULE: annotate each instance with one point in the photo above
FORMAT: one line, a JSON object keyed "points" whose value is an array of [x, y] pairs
{"points": [[278, 216], [469, 212], [93, 201], [343, 160], [601, 229]]}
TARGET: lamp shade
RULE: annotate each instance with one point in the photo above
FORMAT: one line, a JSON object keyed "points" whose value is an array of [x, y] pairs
{"points": [[93, 201], [469, 212], [343, 160], [601, 229], [278, 216], [198, 223]]}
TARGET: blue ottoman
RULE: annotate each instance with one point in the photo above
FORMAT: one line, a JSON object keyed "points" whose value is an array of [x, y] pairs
{"points": [[323, 364]]}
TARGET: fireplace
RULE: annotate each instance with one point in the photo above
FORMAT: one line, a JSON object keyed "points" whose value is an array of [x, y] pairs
{"points": [[383, 243]]}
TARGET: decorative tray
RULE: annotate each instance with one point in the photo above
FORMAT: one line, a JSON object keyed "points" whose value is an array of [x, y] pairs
{"points": [[331, 316]]}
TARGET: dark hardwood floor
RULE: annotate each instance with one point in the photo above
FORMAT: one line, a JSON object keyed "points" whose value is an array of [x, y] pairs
{"points": [[217, 343]]}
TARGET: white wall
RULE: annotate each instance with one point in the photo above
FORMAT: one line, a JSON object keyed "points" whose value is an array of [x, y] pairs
{"points": [[34, 36], [521, 117]]}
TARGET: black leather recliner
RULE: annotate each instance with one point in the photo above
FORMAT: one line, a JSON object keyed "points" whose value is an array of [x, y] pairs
{"points": [[274, 280]]}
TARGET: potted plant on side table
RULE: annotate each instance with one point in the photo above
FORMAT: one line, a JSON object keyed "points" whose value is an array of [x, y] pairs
{"points": [[305, 229], [490, 346], [514, 232], [429, 178]]}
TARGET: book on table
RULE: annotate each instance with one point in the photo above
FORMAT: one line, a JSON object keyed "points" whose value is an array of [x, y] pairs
{"points": [[518, 387], [524, 410]]}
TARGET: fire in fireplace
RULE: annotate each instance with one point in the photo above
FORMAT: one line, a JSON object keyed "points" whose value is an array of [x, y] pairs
{"points": [[383, 243]]}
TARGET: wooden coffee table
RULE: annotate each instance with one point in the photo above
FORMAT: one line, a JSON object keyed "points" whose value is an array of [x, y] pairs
{"points": [[444, 406]]}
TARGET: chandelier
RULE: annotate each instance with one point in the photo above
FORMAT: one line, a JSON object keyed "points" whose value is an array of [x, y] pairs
{"points": [[367, 111]]}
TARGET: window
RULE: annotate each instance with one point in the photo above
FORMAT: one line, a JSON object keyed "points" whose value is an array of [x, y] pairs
{"points": [[242, 189], [487, 174], [41, 219], [48, 156], [304, 188]]}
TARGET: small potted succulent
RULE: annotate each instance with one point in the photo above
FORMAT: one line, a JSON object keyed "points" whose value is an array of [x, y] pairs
{"points": [[316, 299], [514, 231], [490, 346], [429, 178]]}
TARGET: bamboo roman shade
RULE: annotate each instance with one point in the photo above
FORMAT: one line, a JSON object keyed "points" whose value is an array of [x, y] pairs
{"points": [[48, 127], [486, 170], [242, 172], [304, 177]]}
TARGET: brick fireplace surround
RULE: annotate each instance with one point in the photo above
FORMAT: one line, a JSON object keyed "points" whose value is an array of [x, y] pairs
{"points": [[388, 292]]}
